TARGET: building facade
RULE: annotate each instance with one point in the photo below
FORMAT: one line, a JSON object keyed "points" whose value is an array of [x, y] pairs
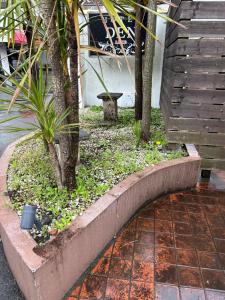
{"points": [[117, 79]]}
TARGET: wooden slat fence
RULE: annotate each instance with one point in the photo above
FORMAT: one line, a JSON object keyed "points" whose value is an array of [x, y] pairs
{"points": [[193, 83]]}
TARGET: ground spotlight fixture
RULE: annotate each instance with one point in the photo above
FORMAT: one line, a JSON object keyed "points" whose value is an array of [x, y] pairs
{"points": [[29, 219]]}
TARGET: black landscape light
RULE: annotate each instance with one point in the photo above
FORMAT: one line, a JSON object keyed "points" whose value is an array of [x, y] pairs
{"points": [[29, 219]]}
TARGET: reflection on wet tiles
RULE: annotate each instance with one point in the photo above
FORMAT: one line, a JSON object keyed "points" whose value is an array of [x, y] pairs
{"points": [[147, 213], [164, 240], [163, 226], [218, 232], [144, 252], [76, 291], [187, 257], [123, 250], [208, 201], [166, 292], [197, 219], [145, 237], [117, 289], [204, 243], [189, 276], [102, 267], [179, 216], [194, 208], [145, 224], [167, 255], [216, 221], [214, 279], [184, 241], [190, 199], [108, 251], [179, 207], [162, 214], [126, 236], [213, 295], [143, 271], [211, 210], [182, 228], [192, 294], [220, 245], [120, 268], [222, 260], [142, 290], [93, 287], [174, 249], [166, 273], [209, 260], [200, 229]]}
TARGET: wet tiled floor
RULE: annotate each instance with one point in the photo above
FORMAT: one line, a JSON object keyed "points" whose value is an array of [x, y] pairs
{"points": [[173, 249]]}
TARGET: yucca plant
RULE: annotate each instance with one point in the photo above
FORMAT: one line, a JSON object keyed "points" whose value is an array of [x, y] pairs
{"points": [[46, 123], [55, 25]]}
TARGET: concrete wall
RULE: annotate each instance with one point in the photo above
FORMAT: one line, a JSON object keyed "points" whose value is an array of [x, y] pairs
{"points": [[119, 80]]}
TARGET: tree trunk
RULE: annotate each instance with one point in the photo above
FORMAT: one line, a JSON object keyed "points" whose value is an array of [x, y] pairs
{"points": [[56, 164], [72, 93], [147, 73], [138, 63], [47, 9]]}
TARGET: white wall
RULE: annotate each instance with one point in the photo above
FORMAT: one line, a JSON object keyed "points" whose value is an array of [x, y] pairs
{"points": [[119, 80], [115, 79], [158, 62], [4, 62]]}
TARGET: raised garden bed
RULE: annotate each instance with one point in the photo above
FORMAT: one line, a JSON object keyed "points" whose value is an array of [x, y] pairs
{"points": [[107, 157], [47, 272]]}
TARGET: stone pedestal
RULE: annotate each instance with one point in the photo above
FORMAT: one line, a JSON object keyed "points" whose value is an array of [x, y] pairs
{"points": [[110, 108]]}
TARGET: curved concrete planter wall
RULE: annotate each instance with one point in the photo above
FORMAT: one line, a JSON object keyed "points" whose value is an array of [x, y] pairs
{"points": [[47, 273]]}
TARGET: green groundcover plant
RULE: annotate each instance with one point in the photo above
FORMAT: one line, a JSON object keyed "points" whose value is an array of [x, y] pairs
{"points": [[106, 158]]}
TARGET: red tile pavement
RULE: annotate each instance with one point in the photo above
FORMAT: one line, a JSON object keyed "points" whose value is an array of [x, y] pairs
{"points": [[173, 249]]}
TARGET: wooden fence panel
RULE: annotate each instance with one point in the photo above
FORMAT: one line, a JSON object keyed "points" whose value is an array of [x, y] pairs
{"points": [[202, 10], [194, 29], [196, 65], [187, 10], [193, 82], [211, 152], [196, 125], [211, 47], [191, 96]]}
